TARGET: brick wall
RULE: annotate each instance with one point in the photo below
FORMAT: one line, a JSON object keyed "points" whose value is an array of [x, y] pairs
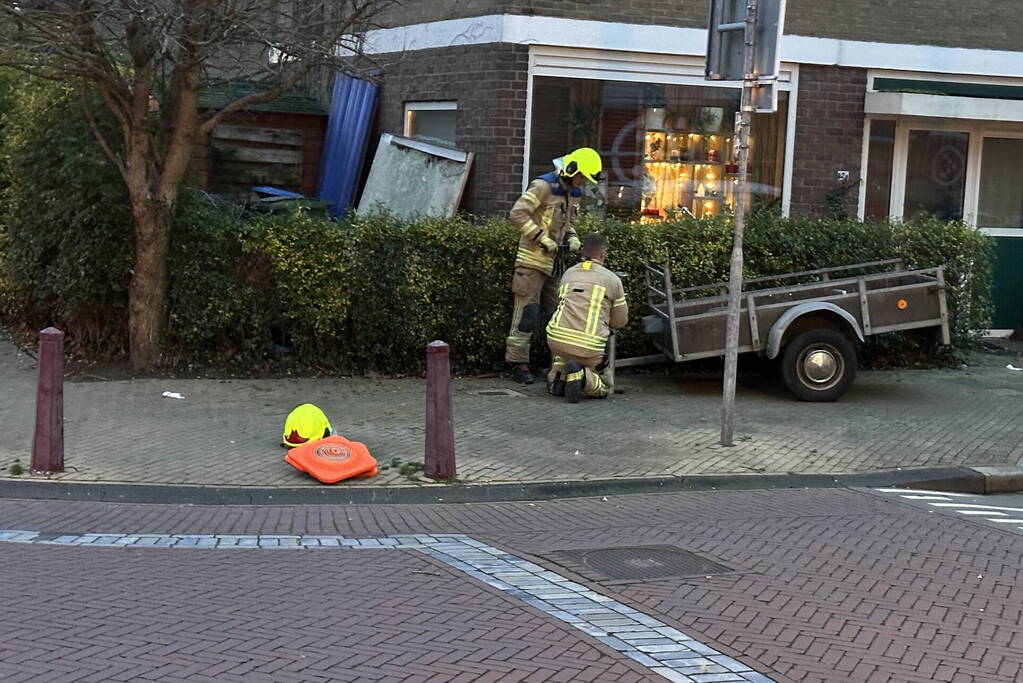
{"points": [[489, 84], [984, 24], [829, 135]]}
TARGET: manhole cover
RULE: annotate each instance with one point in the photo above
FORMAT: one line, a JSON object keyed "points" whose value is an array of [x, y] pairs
{"points": [[637, 563]]}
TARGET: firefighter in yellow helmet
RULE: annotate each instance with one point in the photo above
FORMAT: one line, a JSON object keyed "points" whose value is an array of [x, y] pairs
{"points": [[305, 423], [592, 304], [546, 214]]}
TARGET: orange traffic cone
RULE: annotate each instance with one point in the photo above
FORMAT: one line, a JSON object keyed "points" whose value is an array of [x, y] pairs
{"points": [[333, 459]]}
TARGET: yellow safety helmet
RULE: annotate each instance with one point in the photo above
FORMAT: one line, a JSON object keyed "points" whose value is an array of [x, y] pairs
{"points": [[584, 160], [305, 423]]}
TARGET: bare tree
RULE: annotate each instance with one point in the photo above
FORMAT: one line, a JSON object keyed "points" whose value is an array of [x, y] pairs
{"points": [[149, 59]]}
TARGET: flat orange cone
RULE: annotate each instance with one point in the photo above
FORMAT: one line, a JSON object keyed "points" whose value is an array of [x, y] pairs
{"points": [[333, 459]]}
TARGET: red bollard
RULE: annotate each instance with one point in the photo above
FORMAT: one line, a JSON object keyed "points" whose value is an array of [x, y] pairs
{"points": [[48, 444], [439, 462]]}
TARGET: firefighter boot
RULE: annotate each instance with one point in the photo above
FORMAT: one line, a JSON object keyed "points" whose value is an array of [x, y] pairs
{"points": [[556, 378], [522, 375], [575, 380]]}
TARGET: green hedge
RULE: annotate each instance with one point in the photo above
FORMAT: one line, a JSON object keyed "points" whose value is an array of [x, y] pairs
{"points": [[370, 292], [65, 225]]}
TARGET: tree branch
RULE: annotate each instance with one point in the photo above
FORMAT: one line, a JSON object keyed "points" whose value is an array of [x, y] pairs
{"points": [[100, 137]]}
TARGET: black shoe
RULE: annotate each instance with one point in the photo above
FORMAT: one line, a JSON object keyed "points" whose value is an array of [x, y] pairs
{"points": [[557, 387], [575, 380], [522, 376]]}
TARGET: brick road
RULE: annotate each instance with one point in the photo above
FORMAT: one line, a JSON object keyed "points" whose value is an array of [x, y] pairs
{"points": [[830, 585], [226, 432]]}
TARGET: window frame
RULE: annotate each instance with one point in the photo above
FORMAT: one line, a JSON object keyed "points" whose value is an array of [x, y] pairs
{"points": [[659, 69], [436, 105], [978, 132], [977, 129]]}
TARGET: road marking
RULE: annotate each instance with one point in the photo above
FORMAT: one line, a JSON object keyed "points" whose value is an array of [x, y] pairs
{"points": [[976, 506], [662, 649], [990, 513], [945, 494]]}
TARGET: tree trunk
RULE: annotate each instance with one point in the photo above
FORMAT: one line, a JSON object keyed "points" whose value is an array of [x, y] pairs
{"points": [[147, 292]]}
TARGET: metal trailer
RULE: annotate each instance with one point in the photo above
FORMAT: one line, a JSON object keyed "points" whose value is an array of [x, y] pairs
{"points": [[810, 320]]}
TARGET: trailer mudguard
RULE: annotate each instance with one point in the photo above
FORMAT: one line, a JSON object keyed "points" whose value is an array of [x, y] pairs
{"points": [[778, 329]]}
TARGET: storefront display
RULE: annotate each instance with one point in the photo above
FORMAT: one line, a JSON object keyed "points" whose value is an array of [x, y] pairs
{"points": [[667, 149]]}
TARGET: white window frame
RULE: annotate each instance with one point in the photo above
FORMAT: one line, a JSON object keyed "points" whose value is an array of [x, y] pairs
{"points": [[977, 130], [412, 107], [661, 69]]}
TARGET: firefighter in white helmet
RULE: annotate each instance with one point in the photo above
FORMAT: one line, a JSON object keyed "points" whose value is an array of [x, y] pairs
{"points": [[546, 214]]}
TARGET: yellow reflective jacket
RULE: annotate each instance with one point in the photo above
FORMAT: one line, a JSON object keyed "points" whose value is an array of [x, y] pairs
{"points": [[545, 208], [592, 304]]}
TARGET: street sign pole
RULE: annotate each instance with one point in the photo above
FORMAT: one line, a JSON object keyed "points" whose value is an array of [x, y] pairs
{"points": [[742, 126], [742, 44]]}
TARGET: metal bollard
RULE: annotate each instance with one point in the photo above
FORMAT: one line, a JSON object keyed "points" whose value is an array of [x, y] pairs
{"points": [[48, 444], [439, 461]]}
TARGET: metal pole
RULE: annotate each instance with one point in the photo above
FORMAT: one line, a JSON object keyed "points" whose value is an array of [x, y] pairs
{"points": [[742, 125]]}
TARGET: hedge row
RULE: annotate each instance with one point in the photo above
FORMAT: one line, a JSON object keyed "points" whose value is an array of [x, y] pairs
{"points": [[366, 293]]}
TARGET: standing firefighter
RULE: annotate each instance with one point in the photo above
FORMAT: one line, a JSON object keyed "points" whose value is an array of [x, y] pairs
{"points": [[547, 214], [592, 304]]}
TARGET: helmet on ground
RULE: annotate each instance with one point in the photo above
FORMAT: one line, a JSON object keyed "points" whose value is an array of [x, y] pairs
{"points": [[305, 423], [584, 160]]}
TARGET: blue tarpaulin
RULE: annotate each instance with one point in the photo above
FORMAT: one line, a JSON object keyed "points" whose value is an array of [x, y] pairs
{"points": [[351, 117]]}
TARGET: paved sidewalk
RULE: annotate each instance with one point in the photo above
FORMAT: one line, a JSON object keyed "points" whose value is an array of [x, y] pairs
{"points": [[226, 432]]}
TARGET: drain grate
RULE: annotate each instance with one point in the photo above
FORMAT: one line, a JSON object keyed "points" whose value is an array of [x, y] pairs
{"points": [[495, 392], [637, 563]]}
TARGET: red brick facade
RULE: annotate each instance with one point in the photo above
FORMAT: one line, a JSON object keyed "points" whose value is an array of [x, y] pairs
{"points": [[829, 136], [489, 84], [980, 24]]}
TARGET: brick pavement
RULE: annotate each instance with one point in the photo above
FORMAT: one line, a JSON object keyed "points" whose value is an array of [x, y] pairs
{"points": [[832, 585], [226, 432]]}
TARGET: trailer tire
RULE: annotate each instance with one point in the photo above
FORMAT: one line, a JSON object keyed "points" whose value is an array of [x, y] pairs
{"points": [[819, 365]]}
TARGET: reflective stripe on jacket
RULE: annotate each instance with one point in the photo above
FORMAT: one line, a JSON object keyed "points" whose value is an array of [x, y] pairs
{"points": [[545, 208], [592, 303]]}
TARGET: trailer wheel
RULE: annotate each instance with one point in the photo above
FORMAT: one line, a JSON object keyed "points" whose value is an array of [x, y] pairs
{"points": [[819, 365]]}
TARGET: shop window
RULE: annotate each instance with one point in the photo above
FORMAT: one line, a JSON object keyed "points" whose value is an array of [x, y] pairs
{"points": [[431, 121], [936, 174], [1001, 184], [880, 157], [667, 149]]}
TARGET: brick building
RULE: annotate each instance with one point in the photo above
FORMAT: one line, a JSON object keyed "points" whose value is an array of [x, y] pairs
{"points": [[919, 103]]}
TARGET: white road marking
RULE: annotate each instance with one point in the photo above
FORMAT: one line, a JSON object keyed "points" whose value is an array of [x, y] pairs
{"points": [[928, 493], [979, 512], [975, 506]]}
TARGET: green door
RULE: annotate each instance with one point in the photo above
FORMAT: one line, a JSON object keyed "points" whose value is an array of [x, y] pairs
{"points": [[1007, 294]]}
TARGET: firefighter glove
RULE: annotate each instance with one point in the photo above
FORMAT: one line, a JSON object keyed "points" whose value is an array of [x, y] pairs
{"points": [[548, 245], [574, 245]]}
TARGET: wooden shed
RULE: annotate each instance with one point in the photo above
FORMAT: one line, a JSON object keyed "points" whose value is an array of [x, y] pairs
{"points": [[278, 143]]}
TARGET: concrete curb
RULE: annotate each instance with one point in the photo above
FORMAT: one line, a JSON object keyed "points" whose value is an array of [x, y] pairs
{"points": [[955, 479]]}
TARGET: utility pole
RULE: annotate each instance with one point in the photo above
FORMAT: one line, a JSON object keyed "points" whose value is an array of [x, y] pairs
{"points": [[743, 119], [754, 60]]}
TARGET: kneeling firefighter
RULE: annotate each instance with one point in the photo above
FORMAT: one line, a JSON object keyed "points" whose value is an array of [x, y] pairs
{"points": [[592, 304], [546, 214]]}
